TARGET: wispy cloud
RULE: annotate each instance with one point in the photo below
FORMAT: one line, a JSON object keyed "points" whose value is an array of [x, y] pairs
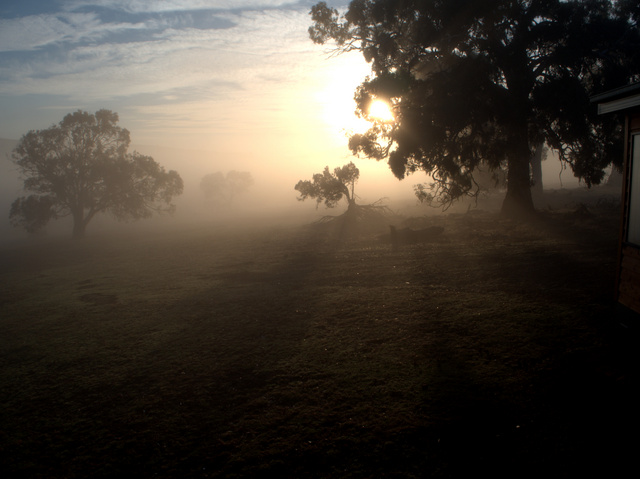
{"points": [[165, 59], [90, 58], [36, 31], [146, 6], [68, 29]]}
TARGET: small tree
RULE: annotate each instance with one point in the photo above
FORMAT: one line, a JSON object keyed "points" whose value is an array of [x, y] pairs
{"points": [[331, 187], [223, 189], [80, 168]]}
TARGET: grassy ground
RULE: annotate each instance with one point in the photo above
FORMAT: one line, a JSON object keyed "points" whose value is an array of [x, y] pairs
{"points": [[278, 352]]}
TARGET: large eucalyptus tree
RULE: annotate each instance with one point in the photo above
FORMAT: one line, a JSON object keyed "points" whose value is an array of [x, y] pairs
{"points": [[481, 84]]}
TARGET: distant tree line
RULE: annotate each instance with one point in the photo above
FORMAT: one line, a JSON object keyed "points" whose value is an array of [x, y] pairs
{"points": [[223, 189]]}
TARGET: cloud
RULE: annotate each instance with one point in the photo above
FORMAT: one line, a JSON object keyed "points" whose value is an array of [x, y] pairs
{"points": [[82, 21], [146, 6], [35, 31], [164, 60]]}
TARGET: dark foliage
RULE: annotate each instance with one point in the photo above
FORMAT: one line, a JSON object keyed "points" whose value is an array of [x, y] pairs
{"points": [[484, 83], [32, 213]]}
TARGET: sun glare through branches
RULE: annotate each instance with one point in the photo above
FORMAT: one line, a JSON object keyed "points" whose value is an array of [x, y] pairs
{"points": [[379, 110]]}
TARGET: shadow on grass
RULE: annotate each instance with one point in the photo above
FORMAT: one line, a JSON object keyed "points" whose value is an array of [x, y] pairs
{"points": [[488, 351]]}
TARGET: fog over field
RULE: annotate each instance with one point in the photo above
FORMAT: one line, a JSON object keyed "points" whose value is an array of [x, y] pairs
{"points": [[256, 349], [271, 197]]}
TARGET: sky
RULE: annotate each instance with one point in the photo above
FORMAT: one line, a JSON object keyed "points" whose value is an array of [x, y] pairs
{"points": [[202, 85]]}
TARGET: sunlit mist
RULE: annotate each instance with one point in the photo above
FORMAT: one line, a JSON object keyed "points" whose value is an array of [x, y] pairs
{"points": [[343, 75]]}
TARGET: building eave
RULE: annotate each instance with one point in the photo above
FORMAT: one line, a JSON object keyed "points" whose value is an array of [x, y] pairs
{"points": [[619, 99]]}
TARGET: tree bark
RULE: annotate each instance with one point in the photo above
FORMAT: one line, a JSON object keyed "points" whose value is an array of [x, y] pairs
{"points": [[79, 225], [536, 172], [518, 202]]}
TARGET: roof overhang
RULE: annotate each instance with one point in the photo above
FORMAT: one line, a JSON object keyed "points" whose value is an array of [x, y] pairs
{"points": [[619, 99]]}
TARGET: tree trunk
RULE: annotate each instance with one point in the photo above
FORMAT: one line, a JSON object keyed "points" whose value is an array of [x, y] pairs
{"points": [[536, 172], [351, 210], [518, 202], [79, 225]]}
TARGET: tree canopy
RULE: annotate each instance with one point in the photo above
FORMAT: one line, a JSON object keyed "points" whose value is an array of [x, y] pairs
{"points": [[330, 187], [483, 84], [81, 167], [222, 189]]}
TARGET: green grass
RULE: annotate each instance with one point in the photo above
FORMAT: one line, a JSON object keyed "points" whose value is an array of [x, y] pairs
{"points": [[274, 352]]}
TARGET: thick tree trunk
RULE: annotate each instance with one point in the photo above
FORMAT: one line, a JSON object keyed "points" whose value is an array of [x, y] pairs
{"points": [[518, 202], [536, 172], [79, 225]]}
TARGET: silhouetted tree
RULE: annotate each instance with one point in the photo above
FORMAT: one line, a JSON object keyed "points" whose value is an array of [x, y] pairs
{"points": [[81, 167], [223, 189], [539, 154], [331, 187], [474, 82]]}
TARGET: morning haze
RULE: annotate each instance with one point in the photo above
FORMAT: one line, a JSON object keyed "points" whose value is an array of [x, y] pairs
{"points": [[313, 239]]}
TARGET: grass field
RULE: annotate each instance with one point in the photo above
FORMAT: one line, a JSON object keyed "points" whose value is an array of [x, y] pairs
{"points": [[281, 352]]}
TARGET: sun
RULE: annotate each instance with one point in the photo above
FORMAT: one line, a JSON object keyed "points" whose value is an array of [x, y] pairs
{"points": [[335, 98], [380, 110]]}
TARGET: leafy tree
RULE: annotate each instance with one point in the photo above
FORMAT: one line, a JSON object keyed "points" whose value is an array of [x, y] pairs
{"points": [[331, 187], [81, 167], [223, 189], [474, 83]]}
